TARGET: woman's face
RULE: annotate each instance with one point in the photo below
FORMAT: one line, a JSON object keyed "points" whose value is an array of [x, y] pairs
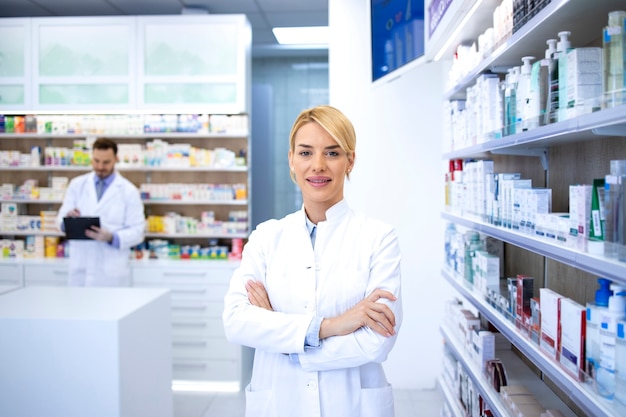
{"points": [[320, 166]]}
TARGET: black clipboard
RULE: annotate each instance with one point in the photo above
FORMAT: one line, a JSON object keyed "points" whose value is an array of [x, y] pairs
{"points": [[75, 226]]}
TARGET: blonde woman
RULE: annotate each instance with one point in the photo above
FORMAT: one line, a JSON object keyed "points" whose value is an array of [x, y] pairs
{"points": [[318, 291]]}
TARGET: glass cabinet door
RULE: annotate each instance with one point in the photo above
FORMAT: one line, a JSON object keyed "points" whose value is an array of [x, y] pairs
{"points": [[194, 62], [14, 64], [84, 63]]}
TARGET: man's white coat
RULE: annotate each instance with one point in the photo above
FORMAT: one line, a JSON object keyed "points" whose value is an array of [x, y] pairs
{"points": [[120, 209]]}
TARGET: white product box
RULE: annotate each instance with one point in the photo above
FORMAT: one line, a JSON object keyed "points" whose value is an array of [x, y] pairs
{"points": [[579, 214], [572, 322], [549, 306], [584, 80], [509, 198], [539, 201], [483, 347], [8, 210], [486, 271]]}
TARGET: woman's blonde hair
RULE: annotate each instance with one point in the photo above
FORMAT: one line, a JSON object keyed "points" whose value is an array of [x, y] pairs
{"points": [[333, 121]]}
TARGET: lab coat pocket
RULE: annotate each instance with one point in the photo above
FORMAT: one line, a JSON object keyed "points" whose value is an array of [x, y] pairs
{"points": [[377, 402], [258, 402]]}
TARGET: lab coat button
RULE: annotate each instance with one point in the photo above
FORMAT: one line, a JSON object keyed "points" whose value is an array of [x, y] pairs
{"points": [[311, 385], [317, 266]]}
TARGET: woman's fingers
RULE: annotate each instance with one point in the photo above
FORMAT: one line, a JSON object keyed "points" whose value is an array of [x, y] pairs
{"points": [[377, 294], [257, 295]]}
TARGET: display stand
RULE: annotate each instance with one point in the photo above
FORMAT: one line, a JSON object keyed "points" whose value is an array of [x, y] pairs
{"points": [[75, 352]]}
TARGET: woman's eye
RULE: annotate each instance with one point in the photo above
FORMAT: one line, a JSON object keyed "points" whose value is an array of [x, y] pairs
{"points": [[305, 153], [332, 154]]}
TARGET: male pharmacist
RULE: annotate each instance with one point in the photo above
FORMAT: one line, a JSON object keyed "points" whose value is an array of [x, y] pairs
{"points": [[103, 258]]}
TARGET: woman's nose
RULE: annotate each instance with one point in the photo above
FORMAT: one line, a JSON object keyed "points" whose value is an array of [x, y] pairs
{"points": [[319, 163]]}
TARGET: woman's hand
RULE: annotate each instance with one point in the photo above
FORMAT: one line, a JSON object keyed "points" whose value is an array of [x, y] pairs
{"points": [[377, 316], [257, 295]]}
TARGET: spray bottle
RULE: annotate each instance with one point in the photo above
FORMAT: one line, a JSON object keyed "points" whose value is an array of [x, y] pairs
{"points": [[592, 330], [605, 377]]}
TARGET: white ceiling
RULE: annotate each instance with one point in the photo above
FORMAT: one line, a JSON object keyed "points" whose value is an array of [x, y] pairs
{"points": [[262, 14]]}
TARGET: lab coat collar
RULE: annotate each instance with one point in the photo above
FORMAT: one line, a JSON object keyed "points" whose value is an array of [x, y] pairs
{"points": [[334, 214]]}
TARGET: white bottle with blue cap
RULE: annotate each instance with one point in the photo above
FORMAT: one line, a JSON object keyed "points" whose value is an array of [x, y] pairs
{"points": [[592, 330], [605, 378], [620, 365]]}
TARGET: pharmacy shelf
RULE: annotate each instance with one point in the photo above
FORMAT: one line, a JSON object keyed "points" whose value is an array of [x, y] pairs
{"points": [[31, 233], [594, 264], [530, 39], [518, 373], [27, 201], [196, 235], [451, 398], [121, 136], [196, 202], [47, 168], [607, 122], [580, 393]]}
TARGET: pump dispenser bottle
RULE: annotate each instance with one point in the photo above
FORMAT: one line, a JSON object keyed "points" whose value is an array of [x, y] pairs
{"points": [[563, 46], [556, 78], [605, 377], [545, 69], [592, 330], [526, 104]]}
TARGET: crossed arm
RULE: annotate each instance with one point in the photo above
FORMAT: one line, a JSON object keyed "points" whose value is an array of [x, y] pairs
{"points": [[376, 316]]}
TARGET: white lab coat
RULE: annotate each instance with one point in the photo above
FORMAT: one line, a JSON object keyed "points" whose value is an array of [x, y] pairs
{"points": [[353, 255], [94, 263]]}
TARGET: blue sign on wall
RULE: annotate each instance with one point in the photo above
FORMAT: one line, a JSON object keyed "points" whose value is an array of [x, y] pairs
{"points": [[397, 34]]}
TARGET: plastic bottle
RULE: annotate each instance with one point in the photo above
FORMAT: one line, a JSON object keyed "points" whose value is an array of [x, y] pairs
{"points": [[562, 47], [472, 244], [620, 365], [525, 115], [545, 69], [613, 207], [510, 101], [449, 247], [614, 59], [592, 330], [555, 78], [605, 377]]}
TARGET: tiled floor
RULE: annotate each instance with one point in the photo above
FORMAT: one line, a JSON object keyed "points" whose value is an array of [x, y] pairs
{"points": [[408, 403]]}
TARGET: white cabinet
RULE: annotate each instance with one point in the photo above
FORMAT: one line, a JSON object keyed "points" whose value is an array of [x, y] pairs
{"points": [[83, 62], [561, 147], [11, 273], [15, 64], [193, 62], [46, 272], [166, 64], [200, 350]]}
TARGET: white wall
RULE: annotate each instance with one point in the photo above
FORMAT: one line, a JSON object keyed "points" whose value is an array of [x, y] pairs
{"points": [[398, 178]]}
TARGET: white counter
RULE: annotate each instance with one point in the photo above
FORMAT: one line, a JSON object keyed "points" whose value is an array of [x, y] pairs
{"points": [[75, 352]]}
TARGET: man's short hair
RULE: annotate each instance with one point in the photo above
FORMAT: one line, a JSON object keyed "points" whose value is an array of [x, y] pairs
{"points": [[104, 143]]}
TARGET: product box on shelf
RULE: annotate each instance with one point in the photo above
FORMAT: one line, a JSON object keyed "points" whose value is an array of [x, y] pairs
{"points": [[579, 215], [535, 319], [571, 337], [525, 286], [549, 305]]}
